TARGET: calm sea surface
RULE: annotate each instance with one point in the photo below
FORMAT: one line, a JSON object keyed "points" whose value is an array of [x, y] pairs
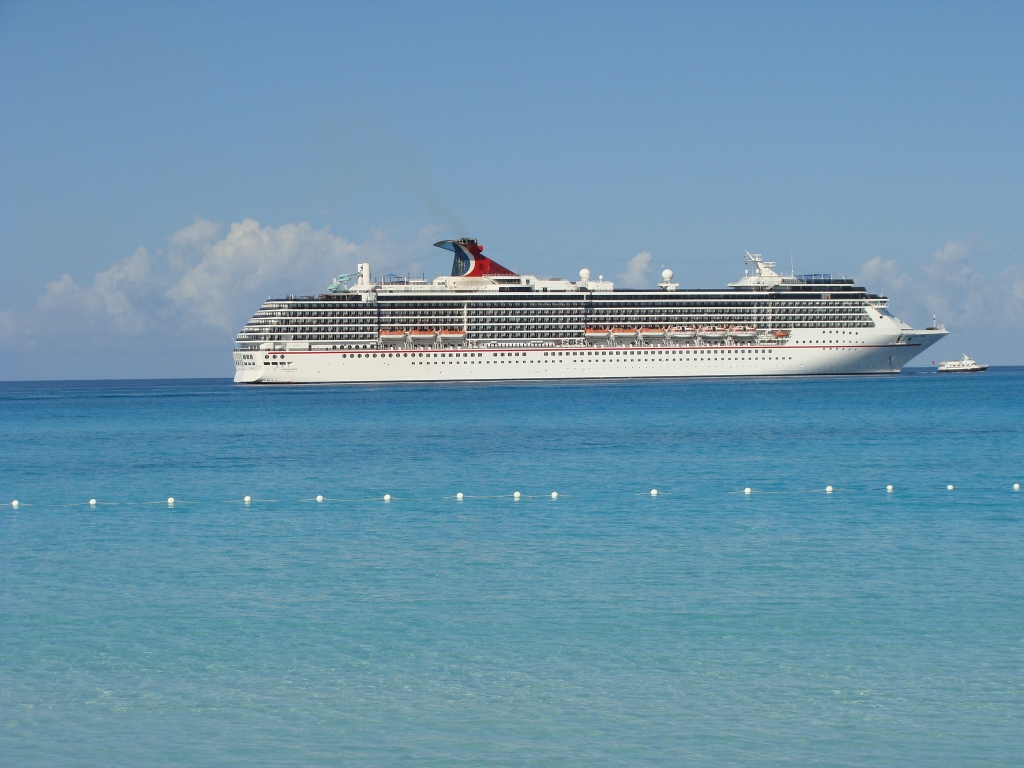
{"points": [[605, 627]]}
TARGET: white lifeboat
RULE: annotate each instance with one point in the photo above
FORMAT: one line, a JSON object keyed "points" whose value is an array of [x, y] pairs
{"points": [[624, 334], [682, 334], [740, 333], [713, 334], [422, 337], [393, 338], [596, 335], [653, 334], [452, 336]]}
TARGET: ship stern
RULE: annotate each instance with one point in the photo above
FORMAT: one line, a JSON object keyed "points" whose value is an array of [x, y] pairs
{"points": [[247, 368]]}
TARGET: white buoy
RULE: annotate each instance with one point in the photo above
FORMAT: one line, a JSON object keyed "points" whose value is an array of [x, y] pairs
{"points": [[554, 494], [170, 501], [247, 499], [1016, 486], [92, 502], [888, 488], [747, 491], [516, 495], [459, 496], [949, 487], [828, 489], [14, 503], [319, 497], [387, 497], [654, 491]]}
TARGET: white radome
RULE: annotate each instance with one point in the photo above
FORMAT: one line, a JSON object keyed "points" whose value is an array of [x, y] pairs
{"points": [[666, 275]]}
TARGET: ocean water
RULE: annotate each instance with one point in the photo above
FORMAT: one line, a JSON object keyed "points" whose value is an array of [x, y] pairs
{"points": [[604, 627]]}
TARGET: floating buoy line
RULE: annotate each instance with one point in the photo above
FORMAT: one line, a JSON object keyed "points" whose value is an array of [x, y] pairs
{"points": [[171, 502]]}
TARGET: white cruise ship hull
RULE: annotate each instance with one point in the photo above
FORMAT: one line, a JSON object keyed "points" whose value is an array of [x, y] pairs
{"points": [[803, 354]]}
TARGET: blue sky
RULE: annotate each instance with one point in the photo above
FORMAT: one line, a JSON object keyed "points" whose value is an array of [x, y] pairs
{"points": [[164, 167]]}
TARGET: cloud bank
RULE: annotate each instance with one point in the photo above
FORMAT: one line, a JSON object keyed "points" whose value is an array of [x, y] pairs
{"points": [[204, 285], [251, 258], [985, 313], [202, 280]]}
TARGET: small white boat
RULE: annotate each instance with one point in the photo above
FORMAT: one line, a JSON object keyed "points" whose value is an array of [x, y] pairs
{"points": [[597, 335], [652, 334], [960, 366]]}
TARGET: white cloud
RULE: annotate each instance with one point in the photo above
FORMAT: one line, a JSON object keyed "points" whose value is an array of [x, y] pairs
{"points": [[202, 281], [948, 286], [250, 258], [68, 308], [877, 272], [638, 270], [191, 240]]}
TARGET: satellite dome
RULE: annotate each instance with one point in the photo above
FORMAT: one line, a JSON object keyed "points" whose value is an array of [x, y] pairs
{"points": [[584, 274], [666, 275]]}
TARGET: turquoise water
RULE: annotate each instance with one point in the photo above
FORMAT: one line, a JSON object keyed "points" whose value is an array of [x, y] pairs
{"points": [[607, 627]]}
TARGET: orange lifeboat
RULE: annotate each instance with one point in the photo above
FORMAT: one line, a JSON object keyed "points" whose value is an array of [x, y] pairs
{"points": [[422, 337]]}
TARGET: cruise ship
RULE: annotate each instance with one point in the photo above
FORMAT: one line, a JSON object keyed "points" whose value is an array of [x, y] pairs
{"points": [[484, 322]]}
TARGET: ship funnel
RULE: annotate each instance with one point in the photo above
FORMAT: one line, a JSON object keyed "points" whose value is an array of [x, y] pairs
{"points": [[470, 260]]}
